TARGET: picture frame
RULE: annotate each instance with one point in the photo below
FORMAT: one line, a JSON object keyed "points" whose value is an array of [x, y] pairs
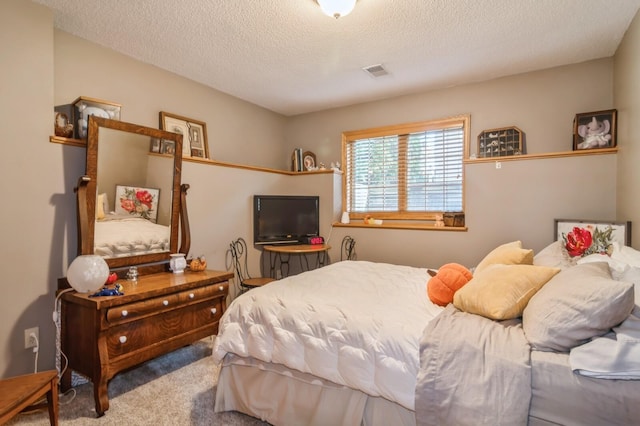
{"points": [[137, 202], [154, 145], [84, 107], [572, 233], [595, 130], [194, 134], [309, 161], [167, 147]]}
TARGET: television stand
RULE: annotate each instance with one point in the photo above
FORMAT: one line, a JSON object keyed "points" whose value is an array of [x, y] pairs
{"points": [[280, 255]]}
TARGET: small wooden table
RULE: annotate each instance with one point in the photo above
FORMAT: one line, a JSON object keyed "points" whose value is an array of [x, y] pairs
{"points": [[19, 393], [282, 253]]}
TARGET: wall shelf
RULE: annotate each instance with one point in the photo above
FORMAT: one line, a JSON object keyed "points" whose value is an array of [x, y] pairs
{"points": [[82, 143], [542, 156]]}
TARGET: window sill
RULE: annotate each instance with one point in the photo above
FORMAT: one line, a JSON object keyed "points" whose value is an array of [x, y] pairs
{"points": [[399, 225]]}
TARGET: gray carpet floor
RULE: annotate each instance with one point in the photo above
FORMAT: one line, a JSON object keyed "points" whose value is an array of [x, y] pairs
{"points": [[174, 389]]}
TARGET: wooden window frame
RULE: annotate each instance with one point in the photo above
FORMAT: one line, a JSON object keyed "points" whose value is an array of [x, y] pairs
{"points": [[402, 131]]}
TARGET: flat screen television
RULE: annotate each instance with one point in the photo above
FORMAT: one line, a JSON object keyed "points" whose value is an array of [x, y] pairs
{"points": [[285, 219]]}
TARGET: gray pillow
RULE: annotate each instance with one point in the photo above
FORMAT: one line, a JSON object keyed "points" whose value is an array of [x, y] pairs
{"points": [[579, 303]]}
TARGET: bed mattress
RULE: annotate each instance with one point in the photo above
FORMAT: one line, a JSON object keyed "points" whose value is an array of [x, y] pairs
{"points": [[560, 396], [366, 339]]}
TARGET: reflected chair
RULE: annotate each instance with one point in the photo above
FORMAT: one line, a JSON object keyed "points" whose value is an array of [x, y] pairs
{"points": [[348, 249], [239, 254]]}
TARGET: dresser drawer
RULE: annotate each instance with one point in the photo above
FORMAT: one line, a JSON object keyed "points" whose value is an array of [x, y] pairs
{"points": [[135, 335], [133, 311]]}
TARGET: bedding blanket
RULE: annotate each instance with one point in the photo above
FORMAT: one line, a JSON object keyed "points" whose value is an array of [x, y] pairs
{"points": [[117, 236], [473, 371], [354, 323]]}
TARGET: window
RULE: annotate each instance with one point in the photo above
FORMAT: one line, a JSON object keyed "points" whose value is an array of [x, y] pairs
{"points": [[406, 172]]}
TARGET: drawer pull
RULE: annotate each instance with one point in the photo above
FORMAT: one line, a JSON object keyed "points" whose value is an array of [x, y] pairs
{"points": [[125, 313], [123, 339], [165, 302], [221, 288], [213, 311], [191, 295]]}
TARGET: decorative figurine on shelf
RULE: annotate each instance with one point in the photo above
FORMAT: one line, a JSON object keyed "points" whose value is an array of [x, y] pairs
{"points": [[595, 134], [439, 220]]}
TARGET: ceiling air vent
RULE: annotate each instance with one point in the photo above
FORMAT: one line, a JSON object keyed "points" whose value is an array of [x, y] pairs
{"points": [[375, 70]]}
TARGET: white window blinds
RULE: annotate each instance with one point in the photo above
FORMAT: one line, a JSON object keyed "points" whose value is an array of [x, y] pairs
{"points": [[407, 175]]}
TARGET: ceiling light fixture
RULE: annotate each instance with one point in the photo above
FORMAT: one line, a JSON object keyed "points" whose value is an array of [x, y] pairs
{"points": [[337, 8]]}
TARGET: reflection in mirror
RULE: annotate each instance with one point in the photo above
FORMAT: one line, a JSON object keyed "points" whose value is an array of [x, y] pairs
{"points": [[133, 208], [133, 194]]}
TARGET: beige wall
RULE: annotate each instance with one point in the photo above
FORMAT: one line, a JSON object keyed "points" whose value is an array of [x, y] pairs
{"points": [[238, 132], [36, 209], [627, 101], [519, 201], [42, 68]]}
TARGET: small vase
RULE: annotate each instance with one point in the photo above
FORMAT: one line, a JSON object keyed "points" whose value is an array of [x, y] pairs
{"points": [[345, 217], [178, 263]]}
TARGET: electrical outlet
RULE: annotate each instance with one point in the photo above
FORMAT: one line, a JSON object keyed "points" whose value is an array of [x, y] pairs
{"points": [[29, 341], [498, 165]]}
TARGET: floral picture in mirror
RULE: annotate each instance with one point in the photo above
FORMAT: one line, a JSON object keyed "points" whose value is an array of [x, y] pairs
{"points": [[137, 202], [194, 134]]}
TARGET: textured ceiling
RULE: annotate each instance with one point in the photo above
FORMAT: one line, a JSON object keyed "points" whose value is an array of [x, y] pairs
{"points": [[285, 55]]}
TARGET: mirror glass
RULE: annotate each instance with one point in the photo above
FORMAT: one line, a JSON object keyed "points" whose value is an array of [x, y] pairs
{"points": [[134, 192]]}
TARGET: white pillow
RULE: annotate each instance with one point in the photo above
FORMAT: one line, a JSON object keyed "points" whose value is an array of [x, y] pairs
{"points": [[554, 256], [617, 267], [625, 254], [576, 305]]}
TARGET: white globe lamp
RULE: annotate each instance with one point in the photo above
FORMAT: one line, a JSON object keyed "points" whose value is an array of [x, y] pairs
{"points": [[88, 273]]}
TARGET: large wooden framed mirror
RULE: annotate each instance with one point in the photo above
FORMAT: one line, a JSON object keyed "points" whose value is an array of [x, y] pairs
{"points": [[129, 204]]}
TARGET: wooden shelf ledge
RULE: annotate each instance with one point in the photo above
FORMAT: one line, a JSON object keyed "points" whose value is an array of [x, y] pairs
{"points": [[541, 156]]}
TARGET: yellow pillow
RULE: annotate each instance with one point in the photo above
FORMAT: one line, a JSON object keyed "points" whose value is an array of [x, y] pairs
{"points": [[100, 207], [507, 254], [502, 292]]}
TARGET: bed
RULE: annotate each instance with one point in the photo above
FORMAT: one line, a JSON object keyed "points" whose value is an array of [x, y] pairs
{"points": [[119, 235], [358, 342]]}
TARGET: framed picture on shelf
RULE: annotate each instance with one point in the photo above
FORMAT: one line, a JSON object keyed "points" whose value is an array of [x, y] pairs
{"points": [[595, 130], [154, 145], [584, 237], [309, 161], [194, 134], [84, 107], [137, 202], [167, 147]]}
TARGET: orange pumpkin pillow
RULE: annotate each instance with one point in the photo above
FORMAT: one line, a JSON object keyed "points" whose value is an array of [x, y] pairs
{"points": [[446, 281]]}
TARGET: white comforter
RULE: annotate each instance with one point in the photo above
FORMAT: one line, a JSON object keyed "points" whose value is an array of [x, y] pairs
{"points": [[125, 236], [357, 324]]}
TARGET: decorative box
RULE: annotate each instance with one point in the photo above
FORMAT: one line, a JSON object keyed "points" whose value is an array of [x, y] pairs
{"points": [[455, 219], [501, 142], [84, 107]]}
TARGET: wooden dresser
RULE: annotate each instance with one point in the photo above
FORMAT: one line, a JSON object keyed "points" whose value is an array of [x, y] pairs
{"points": [[102, 336]]}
